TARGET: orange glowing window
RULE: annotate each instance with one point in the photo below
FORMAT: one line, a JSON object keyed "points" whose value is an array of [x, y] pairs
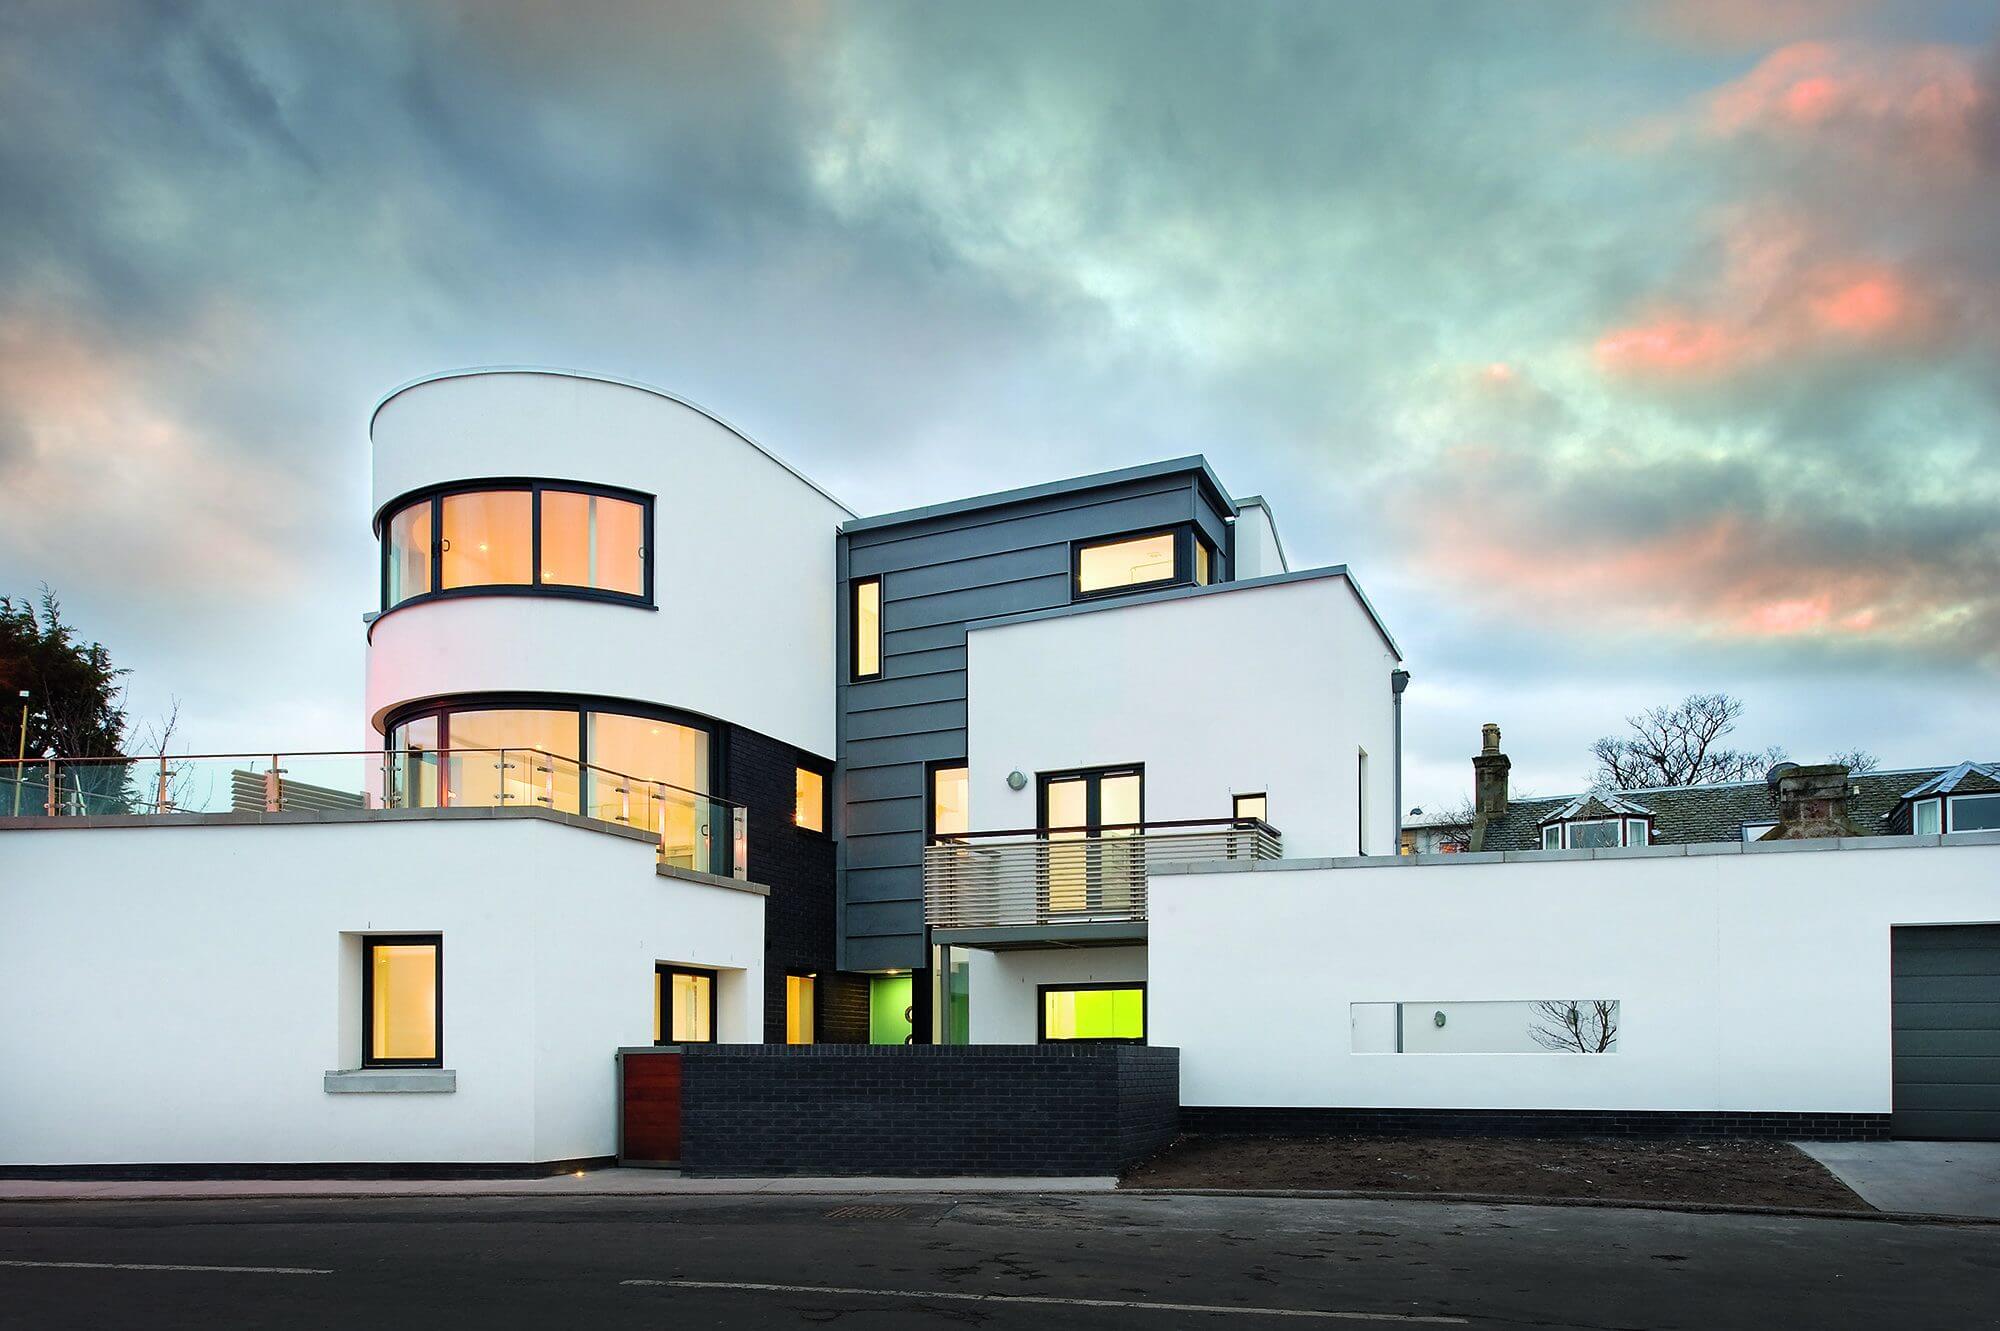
{"points": [[488, 539], [591, 540]]}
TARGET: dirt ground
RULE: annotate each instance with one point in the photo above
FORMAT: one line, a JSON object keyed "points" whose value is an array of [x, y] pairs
{"points": [[1729, 1172]]}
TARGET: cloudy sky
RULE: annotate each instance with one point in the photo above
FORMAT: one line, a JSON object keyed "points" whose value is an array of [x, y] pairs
{"points": [[1623, 350]]}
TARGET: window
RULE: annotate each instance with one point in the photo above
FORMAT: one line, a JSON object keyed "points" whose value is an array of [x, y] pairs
{"points": [[1755, 831], [1361, 802], [1635, 831], [1552, 837], [1107, 1013], [1128, 562], [550, 537], [799, 1009], [864, 657], [1249, 806], [402, 1001], [683, 1006], [1926, 817], [950, 800], [809, 799], [1597, 834], [1204, 563], [1975, 813]]}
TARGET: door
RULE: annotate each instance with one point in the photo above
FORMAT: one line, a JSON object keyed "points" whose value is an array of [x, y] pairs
{"points": [[1944, 985], [1091, 821]]}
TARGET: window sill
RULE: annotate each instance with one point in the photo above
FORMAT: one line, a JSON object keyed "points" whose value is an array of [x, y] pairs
{"points": [[392, 1081]]}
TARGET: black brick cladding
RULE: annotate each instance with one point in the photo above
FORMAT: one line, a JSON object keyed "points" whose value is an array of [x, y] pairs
{"points": [[926, 1109], [1221, 1120]]}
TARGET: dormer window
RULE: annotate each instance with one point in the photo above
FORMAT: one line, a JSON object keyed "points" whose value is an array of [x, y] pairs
{"points": [[1597, 822], [1963, 799]]}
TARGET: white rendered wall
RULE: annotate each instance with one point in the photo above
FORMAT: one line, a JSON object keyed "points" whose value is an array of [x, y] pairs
{"points": [[1001, 986], [176, 994], [743, 558], [1272, 687], [1752, 979], [1258, 554]]}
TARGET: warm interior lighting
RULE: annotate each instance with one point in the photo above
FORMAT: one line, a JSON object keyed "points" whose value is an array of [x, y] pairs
{"points": [[799, 1009], [809, 800], [951, 802], [403, 1000], [867, 628], [1094, 1014], [1128, 563]]}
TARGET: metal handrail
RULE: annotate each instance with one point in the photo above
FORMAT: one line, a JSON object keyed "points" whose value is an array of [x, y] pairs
{"points": [[1110, 827]]}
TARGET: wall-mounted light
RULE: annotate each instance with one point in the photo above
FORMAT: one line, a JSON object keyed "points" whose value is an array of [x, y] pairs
{"points": [[1437, 1018], [1016, 779]]}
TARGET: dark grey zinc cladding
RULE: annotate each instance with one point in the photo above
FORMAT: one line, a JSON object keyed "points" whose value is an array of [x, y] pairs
{"points": [[943, 568]]}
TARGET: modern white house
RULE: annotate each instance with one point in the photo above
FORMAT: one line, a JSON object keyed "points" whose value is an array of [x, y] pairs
{"points": [[663, 746]]}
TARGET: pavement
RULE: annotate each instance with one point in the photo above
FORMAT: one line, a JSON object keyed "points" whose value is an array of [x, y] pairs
{"points": [[1935, 1178], [1020, 1262]]}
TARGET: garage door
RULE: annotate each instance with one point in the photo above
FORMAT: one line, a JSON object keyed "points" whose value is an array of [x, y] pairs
{"points": [[1945, 987]]}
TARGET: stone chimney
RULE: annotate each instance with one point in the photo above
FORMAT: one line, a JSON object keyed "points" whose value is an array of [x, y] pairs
{"points": [[1489, 774], [1812, 802]]}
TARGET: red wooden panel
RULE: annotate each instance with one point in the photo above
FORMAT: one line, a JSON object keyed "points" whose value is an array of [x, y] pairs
{"points": [[652, 1101]]}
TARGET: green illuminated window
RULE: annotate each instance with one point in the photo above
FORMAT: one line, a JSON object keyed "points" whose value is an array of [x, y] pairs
{"points": [[1106, 1012]]}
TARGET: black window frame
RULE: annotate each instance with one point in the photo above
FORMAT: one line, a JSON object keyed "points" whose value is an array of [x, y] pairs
{"points": [[1093, 800], [369, 942], [854, 586], [666, 970], [535, 487], [1184, 535], [1236, 813], [931, 770], [825, 828], [1042, 992]]}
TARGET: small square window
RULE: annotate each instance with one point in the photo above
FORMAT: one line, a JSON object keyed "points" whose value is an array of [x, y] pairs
{"points": [[1249, 806], [809, 799], [402, 1001], [683, 1005]]}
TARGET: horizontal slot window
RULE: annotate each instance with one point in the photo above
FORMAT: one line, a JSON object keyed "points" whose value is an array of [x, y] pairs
{"points": [[1534, 1026], [1101, 1013]]}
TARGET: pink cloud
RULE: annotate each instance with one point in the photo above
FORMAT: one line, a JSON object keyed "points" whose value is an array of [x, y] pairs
{"points": [[1917, 103]]}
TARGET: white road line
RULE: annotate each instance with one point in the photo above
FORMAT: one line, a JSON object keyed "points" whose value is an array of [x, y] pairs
{"points": [[964, 1297], [162, 1266]]}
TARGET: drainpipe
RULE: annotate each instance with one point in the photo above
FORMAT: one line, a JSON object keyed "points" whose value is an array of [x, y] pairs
{"points": [[1399, 680]]}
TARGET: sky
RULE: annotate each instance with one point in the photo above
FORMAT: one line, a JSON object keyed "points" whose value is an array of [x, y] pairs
{"points": [[1622, 351]]}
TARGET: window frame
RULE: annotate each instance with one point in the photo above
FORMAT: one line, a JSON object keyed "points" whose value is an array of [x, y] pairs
{"points": [[1951, 810], [811, 979], [854, 586], [666, 970], [1042, 992], [825, 798], [369, 942], [1236, 813], [1744, 830], [1093, 800], [1936, 804], [1184, 535], [931, 770], [535, 486]]}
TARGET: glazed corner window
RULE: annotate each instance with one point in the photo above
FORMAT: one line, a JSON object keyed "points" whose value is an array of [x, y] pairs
{"points": [[402, 1001], [563, 538], [683, 1006], [809, 799], [799, 1009], [950, 804], [1249, 806], [864, 658], [1131, 561], [1107, 1013], [1204, 563]]}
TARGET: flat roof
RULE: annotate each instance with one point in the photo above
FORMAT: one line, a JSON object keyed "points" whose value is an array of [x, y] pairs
{"points": [[1194, 462]]}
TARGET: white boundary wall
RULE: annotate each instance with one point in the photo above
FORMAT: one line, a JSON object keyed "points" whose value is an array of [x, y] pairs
{"points": [[1750, 978], [177, 994]]}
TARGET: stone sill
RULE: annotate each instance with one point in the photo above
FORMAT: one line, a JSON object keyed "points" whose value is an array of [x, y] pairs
{"points": [[392, 1081]]}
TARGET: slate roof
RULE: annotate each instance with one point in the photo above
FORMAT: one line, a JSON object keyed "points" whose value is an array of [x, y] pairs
{"points": [[1684, 814], [1964, 779]]}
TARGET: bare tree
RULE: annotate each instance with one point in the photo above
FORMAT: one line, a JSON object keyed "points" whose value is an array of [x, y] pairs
{"points": [[1450, 828], [1679, 745], [1856, 761], [1576, 1027]]}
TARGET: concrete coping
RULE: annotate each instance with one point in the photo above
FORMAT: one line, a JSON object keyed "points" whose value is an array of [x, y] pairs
{"points": [[318, 817], [666, 870], [391, 1081], [1933, 841]]}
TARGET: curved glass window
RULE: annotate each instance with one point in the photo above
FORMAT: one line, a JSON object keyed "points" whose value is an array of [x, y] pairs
{"points": [[552, 537]]}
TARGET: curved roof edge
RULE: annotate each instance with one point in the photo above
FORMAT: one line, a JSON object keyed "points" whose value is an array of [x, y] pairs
{"points": [[560, 373]]}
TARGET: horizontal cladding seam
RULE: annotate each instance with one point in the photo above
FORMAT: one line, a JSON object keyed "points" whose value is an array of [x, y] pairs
{"points": [[1060, 574], [875, 538], [983, 542]]}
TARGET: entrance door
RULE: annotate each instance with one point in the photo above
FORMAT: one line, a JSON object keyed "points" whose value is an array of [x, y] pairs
{"points": [[1091, 821]]}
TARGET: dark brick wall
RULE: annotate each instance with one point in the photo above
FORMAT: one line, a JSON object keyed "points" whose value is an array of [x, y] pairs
{"points": [[1224, 1120], [796, 864], [843, 1009], [926, 1109]]}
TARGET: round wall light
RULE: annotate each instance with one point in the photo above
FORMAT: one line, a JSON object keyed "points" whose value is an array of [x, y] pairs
{"points": [[1437, 1018], [1016, 780]]}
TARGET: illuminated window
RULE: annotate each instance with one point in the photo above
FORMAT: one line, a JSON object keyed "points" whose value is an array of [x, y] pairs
{"points": [[408, 567], [402, 984], [809, 799], [1133, 561], [798, 1009], [488, 539], [683, 1006], [950, 801], [865, 655], [1250, 806], [591, 540], [1110, 1013], [1204, 572]]}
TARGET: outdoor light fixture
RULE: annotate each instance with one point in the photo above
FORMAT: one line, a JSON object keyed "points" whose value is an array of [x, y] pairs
{"points": [[1437, 1018], [1016, 779]]}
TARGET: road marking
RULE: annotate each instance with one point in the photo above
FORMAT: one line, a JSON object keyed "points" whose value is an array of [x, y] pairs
{"points": [[964, 1297], [162, 1266]]}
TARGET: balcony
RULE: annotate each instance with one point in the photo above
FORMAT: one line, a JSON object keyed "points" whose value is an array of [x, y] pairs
{"points": [[1070, 886], [695, 831]]}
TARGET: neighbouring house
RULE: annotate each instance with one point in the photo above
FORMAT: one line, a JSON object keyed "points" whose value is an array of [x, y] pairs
{"points": [[663, 748], [1434, 833]]}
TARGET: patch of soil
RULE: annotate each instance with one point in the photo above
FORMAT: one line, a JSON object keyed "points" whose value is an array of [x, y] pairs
{"points": [[1727, 1171]]}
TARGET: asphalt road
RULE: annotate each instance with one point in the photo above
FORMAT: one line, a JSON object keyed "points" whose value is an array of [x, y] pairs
{"points": [[1229, 1264]]}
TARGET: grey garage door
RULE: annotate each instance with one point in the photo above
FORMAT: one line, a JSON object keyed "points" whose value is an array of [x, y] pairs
{"points": [[1945, 988]]}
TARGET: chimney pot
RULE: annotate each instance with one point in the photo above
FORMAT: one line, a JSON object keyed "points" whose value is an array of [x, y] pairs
{"points": [[1489, 773], [1489, 738]]}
